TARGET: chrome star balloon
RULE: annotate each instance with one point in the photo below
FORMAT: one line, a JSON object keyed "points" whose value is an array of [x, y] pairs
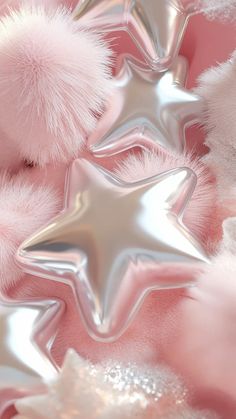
{"points": [[27, 331], [111, 232], [156, 26], [147, 109]]}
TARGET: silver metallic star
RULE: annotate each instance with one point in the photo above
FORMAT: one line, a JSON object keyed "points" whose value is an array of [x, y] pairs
{"points": [[147, 109], [109, 232], [27, 332], [156, 26]]}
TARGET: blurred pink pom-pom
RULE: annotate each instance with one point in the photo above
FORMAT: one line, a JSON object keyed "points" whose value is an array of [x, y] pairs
{"points": [[218, 86], [54, 81], [24, 208], [223, 10], [199, 211], [205, 349]]}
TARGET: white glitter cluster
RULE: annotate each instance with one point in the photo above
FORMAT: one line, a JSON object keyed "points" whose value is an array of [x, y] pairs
{"points": [[224, 10], [154, 383], [112, 390]]}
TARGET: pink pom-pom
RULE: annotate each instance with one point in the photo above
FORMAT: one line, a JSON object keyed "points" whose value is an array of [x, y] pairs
{"points": [[205, 349], [54, 80], [223, 10], [24, 208], [218, 87], [199, 211]]}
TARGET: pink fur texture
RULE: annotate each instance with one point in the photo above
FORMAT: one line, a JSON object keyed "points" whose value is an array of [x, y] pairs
{"points": [[10, 158], [206, 347], [24, 208], [218, 86], [198, 213], [5, 5], [54, 81], [229, 235], [217, 9]]}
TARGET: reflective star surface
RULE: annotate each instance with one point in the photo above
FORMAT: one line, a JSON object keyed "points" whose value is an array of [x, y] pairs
{"points": [[27, 332], [114, 242], [156, 26], [147, 109]]}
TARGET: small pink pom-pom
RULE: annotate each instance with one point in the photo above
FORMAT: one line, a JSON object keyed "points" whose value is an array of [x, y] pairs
{"points": [[54, 80], [24, 208], [199, 211]]}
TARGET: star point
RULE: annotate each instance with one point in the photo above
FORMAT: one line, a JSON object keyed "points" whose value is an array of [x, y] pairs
{"points": [[105, 232], [27, 332], [156, 27]]}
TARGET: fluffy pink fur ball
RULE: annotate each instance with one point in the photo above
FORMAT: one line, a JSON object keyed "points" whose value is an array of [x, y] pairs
{"points": [[208, 343], [205, 350], [54, 80], [199, 211], [24, 208], [218, 86]]}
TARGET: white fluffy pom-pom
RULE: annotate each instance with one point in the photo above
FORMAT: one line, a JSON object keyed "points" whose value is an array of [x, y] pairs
{"points": [[229, 236], [54, 80], [218, 87], [224, 10]]}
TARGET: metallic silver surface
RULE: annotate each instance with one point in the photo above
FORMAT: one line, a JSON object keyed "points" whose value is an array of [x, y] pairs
{"points": [[27, 332], [156, 26], [114, 242], [147, 109]]}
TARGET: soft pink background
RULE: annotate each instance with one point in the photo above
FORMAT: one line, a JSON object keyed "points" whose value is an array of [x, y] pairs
{"points": [[150, 337]]}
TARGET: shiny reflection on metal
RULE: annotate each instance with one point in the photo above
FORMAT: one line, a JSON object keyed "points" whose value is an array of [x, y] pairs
{"points": [[27, 332], [157, 27], [147, 109], [114, 242]]}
